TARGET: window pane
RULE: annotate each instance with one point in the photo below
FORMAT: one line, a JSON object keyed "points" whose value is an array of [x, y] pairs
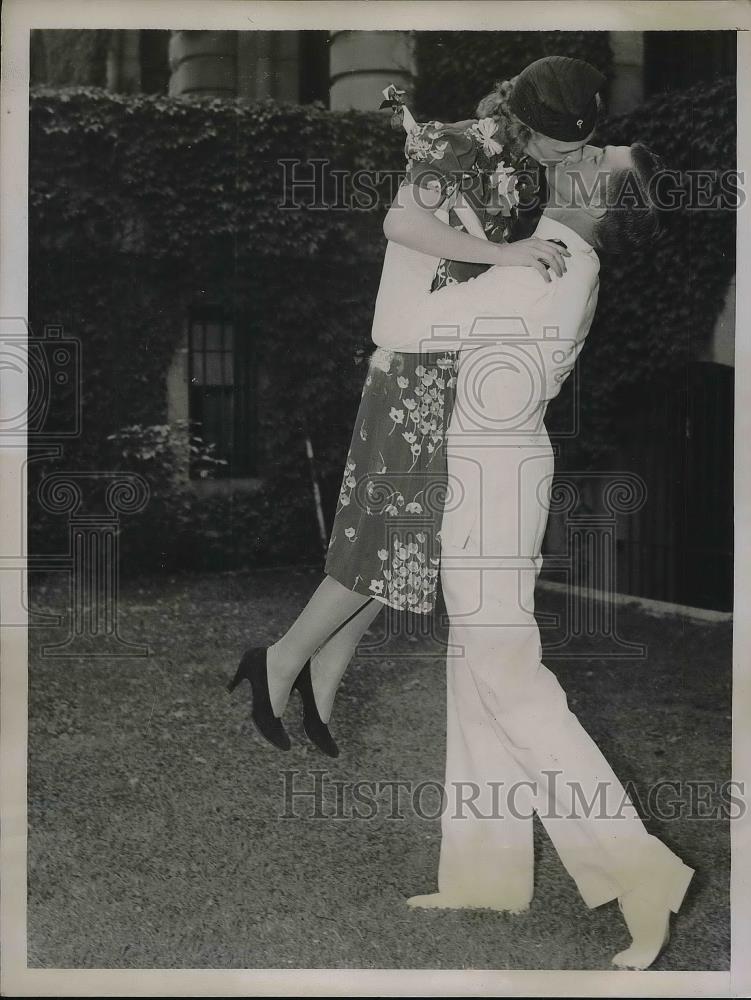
{"points": [[196, 337], [197, 369], [217, 423], [214, 368], [213, 336], [222, 397]]}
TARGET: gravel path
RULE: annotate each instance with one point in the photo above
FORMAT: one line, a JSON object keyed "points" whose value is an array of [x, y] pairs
{"points": [[157, 838]]}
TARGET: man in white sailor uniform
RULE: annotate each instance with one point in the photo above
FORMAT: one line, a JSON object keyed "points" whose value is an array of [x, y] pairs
{"points": [[513, 745]]}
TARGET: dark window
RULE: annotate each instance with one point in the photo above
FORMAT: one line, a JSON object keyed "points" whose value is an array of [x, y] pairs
{"points": [[675, 60], [314, 67], [222, 379]]}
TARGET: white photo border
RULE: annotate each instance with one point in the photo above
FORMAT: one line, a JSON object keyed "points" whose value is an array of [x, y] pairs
{"points": [[19, 17]]}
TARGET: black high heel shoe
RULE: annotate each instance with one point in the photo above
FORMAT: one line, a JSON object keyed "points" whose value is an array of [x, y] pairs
{"points": [[253, 669], [317, 730]]}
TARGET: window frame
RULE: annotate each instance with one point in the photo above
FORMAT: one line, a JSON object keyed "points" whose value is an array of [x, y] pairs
{"points": [[239, 425]]}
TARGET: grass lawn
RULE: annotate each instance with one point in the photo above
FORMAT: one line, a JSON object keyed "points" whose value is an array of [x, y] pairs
{"points": [[156, 838]]}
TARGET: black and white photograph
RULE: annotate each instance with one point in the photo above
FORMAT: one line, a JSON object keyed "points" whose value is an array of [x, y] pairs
{"points": [[374, 499]]}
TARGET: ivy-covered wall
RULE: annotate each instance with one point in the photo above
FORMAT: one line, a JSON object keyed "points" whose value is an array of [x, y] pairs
{"points": [[657, 310], [63, 56], [141, 206], [456, 68]]}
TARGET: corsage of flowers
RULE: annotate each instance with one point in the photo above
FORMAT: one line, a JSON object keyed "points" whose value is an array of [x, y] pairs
{"points": [[466, 150], [484, 130]]}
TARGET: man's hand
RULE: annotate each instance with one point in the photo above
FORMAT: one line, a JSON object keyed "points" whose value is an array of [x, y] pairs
{"points": [[534, 252]]}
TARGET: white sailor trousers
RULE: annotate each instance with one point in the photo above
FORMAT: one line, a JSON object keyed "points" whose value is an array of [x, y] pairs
{"points": [[513, 744]]}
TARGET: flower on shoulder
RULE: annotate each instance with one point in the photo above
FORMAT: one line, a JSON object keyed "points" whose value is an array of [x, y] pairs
{"points": [[483, 131]]}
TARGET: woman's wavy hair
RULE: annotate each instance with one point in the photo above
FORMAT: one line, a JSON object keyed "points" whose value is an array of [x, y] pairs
{"points": [[514, 134]]}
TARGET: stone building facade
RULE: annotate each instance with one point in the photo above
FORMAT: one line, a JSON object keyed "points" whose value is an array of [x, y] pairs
{"points": [[341, 69]]}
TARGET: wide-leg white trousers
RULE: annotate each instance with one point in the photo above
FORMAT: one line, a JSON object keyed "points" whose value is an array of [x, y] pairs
{"points": [[513, 744]]}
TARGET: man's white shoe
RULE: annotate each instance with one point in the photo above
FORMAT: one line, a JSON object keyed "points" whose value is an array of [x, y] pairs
{"points": [[648, 921]]}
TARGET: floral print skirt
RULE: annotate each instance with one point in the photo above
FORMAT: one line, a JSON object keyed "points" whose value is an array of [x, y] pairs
{"points": [[385, 541]]}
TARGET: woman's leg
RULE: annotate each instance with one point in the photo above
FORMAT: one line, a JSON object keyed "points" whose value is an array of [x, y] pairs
{"points": [[329, 606], [328, 664]]}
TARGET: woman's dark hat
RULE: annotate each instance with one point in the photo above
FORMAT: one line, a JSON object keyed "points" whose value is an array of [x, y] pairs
{"points": [[556, 97]]}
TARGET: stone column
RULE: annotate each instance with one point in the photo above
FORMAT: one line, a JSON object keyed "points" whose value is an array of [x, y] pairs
{"points": [[203, 62], [362, 63], [124, 62], [268, 65]]}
